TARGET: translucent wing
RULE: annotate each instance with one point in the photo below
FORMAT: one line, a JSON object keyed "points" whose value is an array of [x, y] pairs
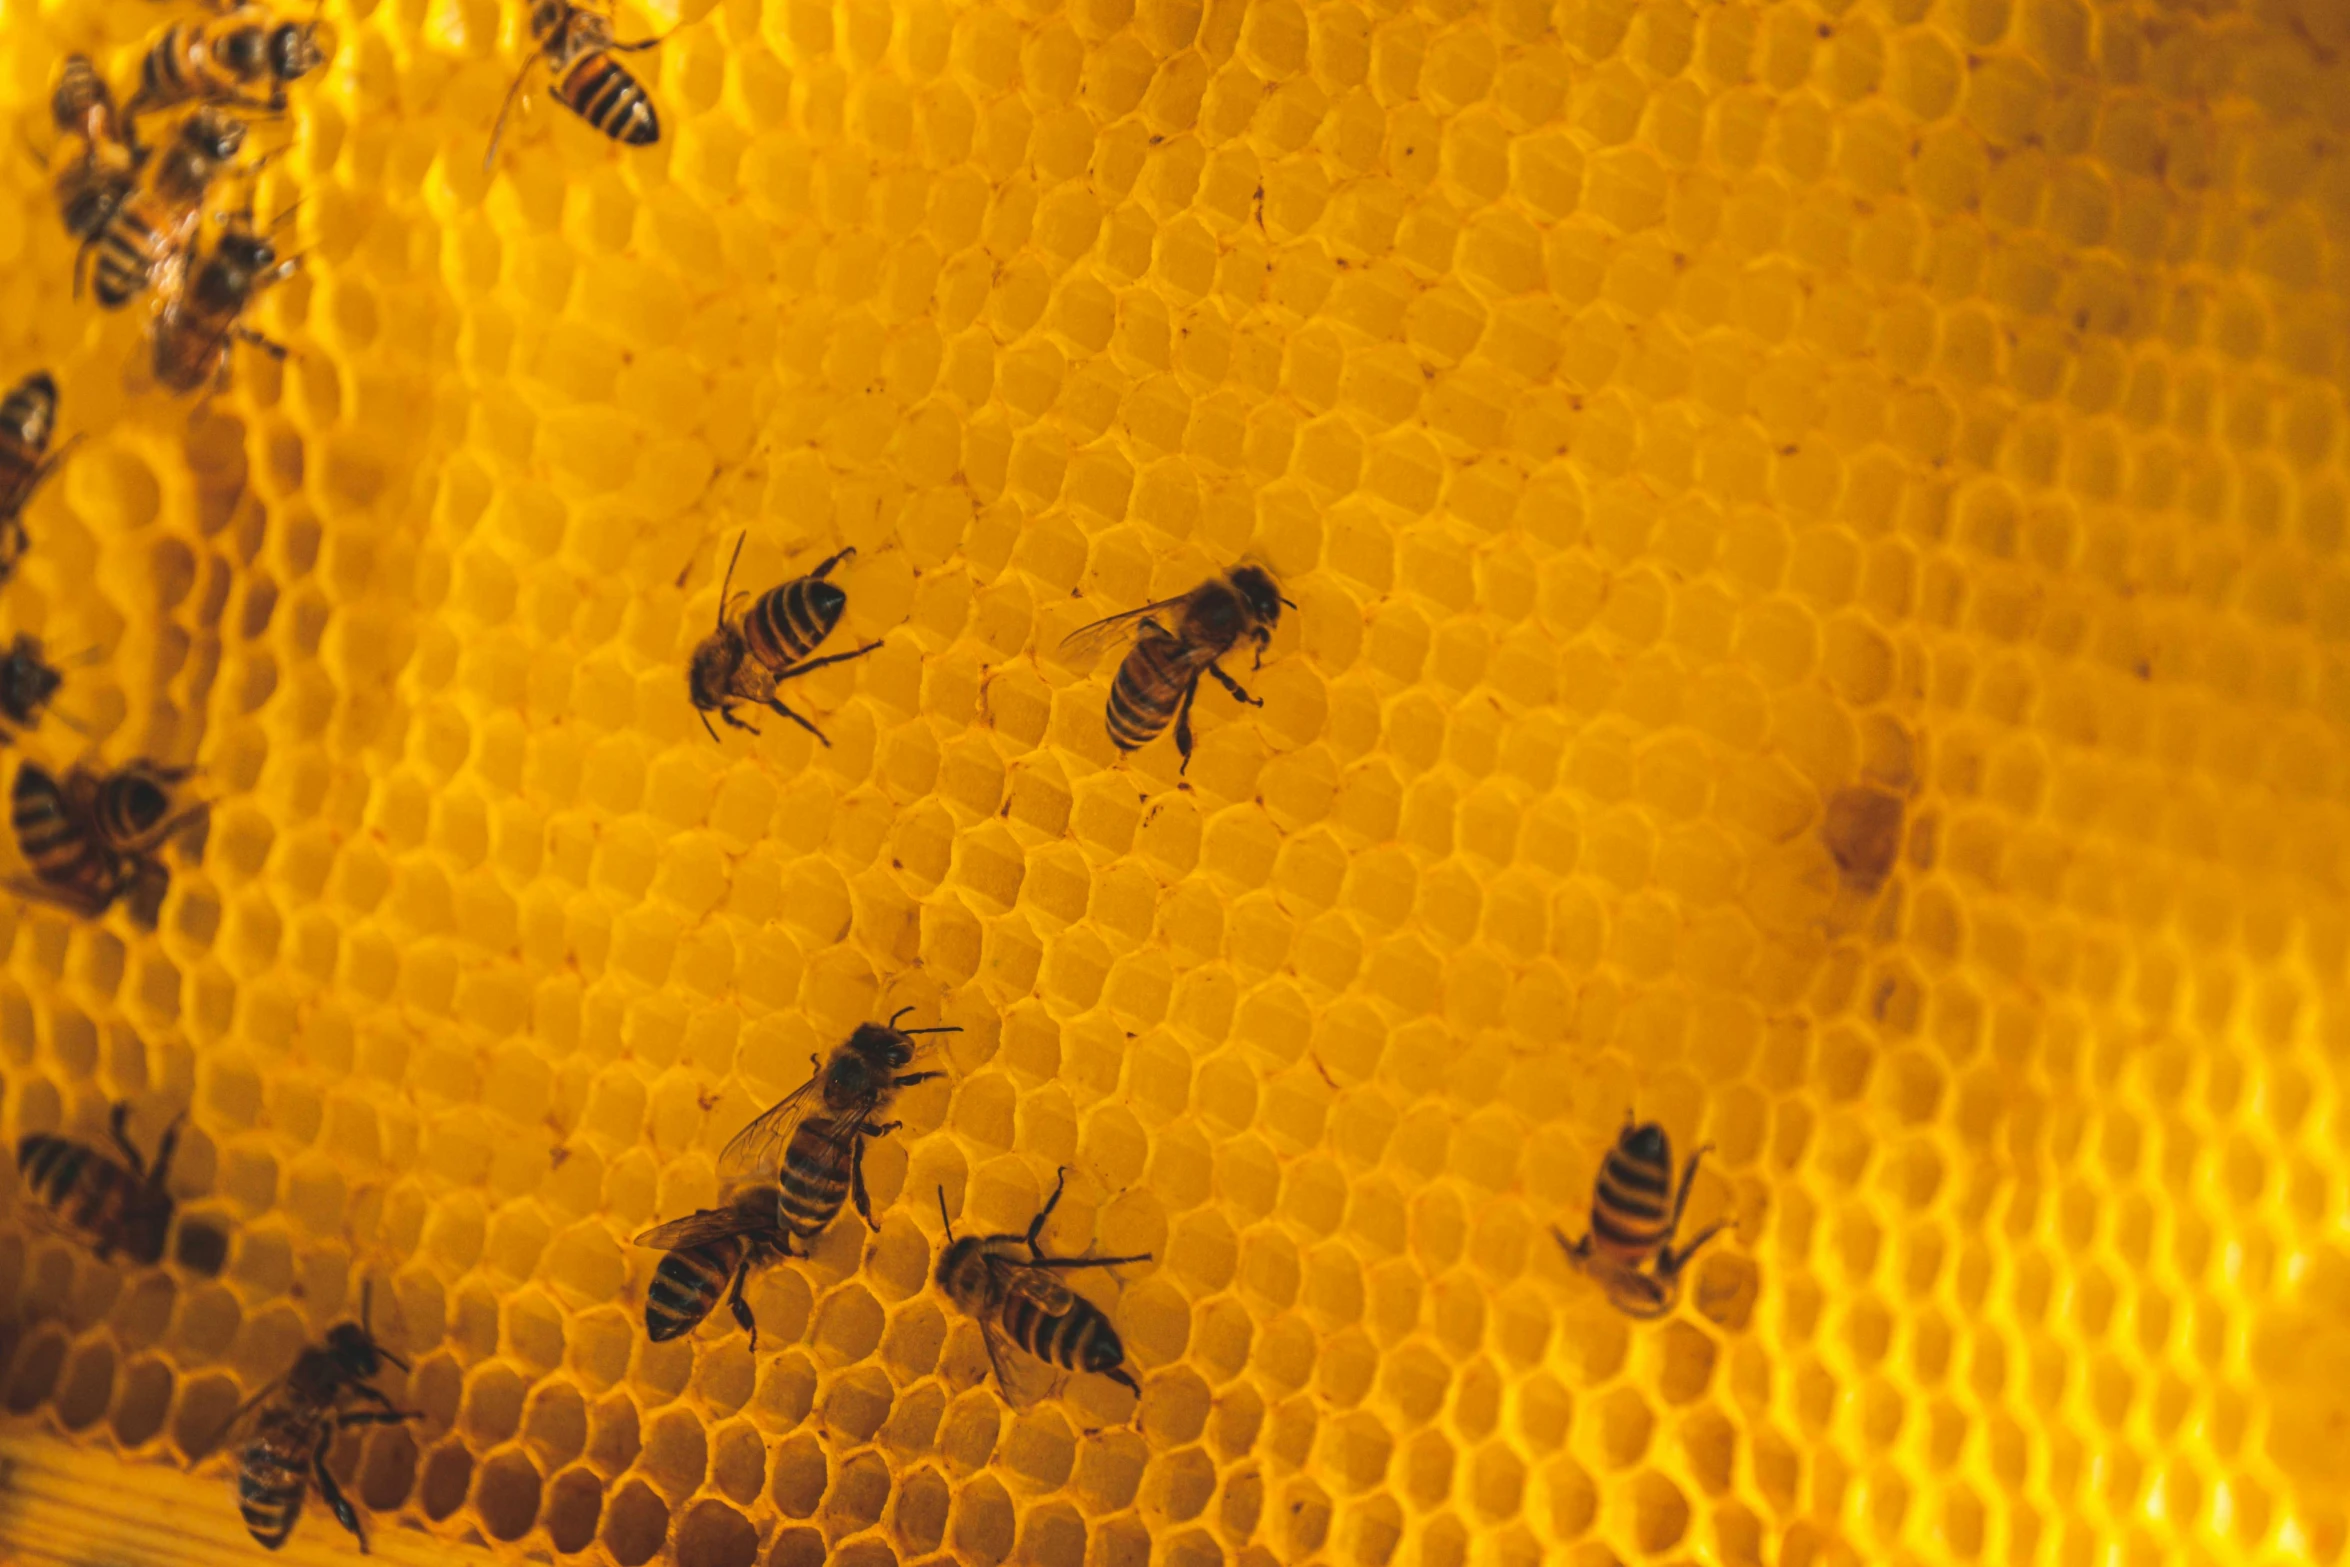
{"points": [[1085, 644], [1022, 1378], [756, 1152], [242, 1422], [711, 1224], [1036, 1286]]}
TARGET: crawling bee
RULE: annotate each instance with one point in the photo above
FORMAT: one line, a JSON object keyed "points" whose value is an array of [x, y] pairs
{"points": [[577, 45], [145, 237], [28, 418], [82, 105], [94, 838], [1021, 1302], [712, 1253], [204, 314], [1630, 1250], [281, 1433], [791, 1169], [28, 682], [1160, 675], [239, 52], [754, 650], [115, 1207]]}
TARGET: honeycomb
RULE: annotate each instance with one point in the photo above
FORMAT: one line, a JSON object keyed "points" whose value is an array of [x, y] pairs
{"points": [[1818, 534]]}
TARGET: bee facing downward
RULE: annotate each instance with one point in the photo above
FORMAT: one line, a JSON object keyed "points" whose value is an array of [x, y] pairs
{"points": [[115, 1207], [791, 1170], [1021, 1303], [1630, 1250], [202, 317], [28, 419], [1160, 675], [94, 837], [283, 1431], [577, 46], [755, 649]]}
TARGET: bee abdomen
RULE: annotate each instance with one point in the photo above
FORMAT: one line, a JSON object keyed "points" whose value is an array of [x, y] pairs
{"points": [[791, 622], [269, 1494], [1632, 1204], [685, 1286], [163, 75], [45, 832], [1149, 688], [126, 257], [602, 92], [85, 1189], [814, 1180]]}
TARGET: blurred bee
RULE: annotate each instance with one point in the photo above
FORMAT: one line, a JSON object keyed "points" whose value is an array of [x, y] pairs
{"points": [[1630, 1250], [146, 236], [112, 1207], [28, 419], [28, 682], [712, 1253], [240, 51], [1021, 1302], [282, 1433], [1160, 675], [203, 314], [93, 838], [754, 650], [83, 105], [577, 46]]}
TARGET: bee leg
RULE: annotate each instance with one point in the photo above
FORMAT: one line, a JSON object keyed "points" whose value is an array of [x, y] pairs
{"points": [[911, 1078], [1183, 725], [739, 1306], [1121, 1374], [727, 712], [655, 42], [1239, 694], [1681, 1198], [806, 665], [802, 722], [268, 345], [819, 574], [857, 1172], [117, 1120], [1578, 1252], [1036, 1225], [1670, 1260], [336, 1501]]}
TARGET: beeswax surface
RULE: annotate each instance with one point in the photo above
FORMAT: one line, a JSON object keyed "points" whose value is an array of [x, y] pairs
{"points": [[1817, 536]]}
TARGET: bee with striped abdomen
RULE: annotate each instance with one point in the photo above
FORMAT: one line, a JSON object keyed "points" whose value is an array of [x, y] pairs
{"points": [[82, 105], [756, 648], [115, 1207], [1630, 1250], [1160, 674], [240, 51], [1021, 1304], [577, 45], [145, 239], [789, 1171], [203, 316], [281, 1434], [93, 838], [711, 1253], [28, 421]]}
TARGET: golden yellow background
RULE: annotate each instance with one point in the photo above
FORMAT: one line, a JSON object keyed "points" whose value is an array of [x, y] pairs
{"points": [[1818, 535]]}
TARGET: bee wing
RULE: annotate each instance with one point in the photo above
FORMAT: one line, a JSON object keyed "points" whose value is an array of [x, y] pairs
{"points": [[756, 1152], [699, 1229], [1038, 1287], [1023, 1379], [1085, 644], [240, 1423]]}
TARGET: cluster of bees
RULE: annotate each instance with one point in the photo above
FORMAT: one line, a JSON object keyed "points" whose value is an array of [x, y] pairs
{"points": [[93, 837]]}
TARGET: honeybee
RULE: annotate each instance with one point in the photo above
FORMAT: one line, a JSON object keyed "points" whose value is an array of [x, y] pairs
{"points": [[754, 650], [93, 838], [83, 105], [112, 1207], [145, 237], [241, 50], [577, 45], [282, 1433], [710, 1253], [1020, 1302], [28, 682], [1630, 1250], [28, 419], [1160, 675], [202, 315]]}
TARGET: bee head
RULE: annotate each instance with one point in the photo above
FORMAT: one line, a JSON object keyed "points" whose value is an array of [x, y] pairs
{"points": [[212, 133], [26, 679], [1260, 593], [546, 16], [354, 1350], [36, 396], [1648, 1143], [298, 48], [711, 670], [141, 800]]}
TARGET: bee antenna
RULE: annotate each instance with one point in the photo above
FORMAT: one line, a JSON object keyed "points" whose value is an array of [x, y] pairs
{"points": [[367, 1307], [727, 586], [942, 1213], [943, 1028], [899, 1013], [1286, 599]]}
